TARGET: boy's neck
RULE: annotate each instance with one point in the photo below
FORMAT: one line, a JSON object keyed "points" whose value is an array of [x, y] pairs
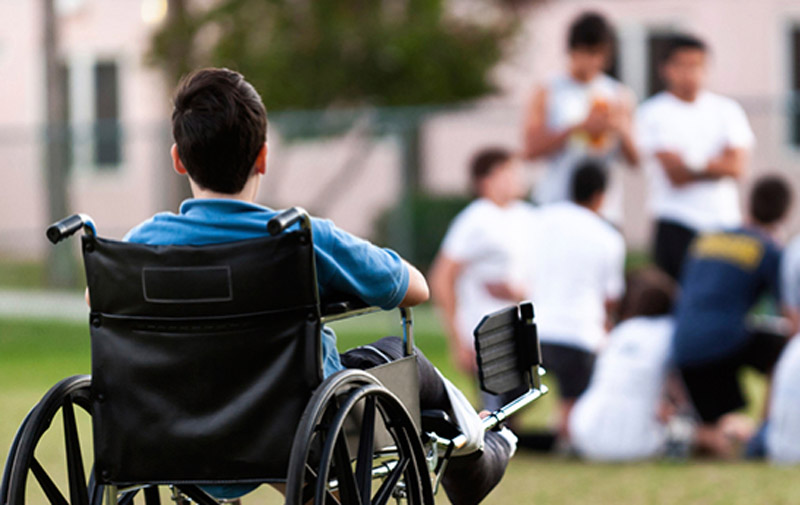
{"points": [[247, 194], [771, 230]]}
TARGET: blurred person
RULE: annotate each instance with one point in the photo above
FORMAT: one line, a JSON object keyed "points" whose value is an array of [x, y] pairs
{"points": [[577, 280], [695, 145], [623, 414], [726, 274], [783, 427], [582, 113], [790, 284], [779, 437], [482, 263]]}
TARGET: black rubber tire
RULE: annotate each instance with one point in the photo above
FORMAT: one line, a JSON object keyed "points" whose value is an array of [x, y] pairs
{"points": [[64, 396], [12, 452], [321, 426]]}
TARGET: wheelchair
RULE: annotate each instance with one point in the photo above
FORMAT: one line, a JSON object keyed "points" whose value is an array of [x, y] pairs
{"points": [[206, 371]]}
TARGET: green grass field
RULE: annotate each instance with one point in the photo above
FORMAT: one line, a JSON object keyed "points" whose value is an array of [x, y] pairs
{"points": [[36, 354]]}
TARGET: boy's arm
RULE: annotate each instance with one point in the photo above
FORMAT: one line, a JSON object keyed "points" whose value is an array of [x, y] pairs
{"points": [[623, 124], [444, 273], [417, 291], [539, 140]]}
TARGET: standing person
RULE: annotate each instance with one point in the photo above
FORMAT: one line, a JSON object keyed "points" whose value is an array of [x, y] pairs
{"points": [[583, 113], [622, 415], [481, 266], [726, 273], [578, 277], [696, 145]]}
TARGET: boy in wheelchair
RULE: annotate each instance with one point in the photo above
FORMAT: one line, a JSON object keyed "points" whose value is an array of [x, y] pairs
{"points": [[219, 125]]}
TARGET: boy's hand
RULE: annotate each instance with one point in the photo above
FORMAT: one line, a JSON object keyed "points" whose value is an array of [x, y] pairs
{"points": [[505, 291], [465, 360]]}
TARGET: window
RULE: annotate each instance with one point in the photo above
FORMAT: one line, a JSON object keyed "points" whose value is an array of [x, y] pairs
{"points": [[656, 45], [794, 87], [107, 134]]}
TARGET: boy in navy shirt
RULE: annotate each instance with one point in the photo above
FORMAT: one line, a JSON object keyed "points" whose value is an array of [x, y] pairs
{"points": [[220, 126], [726, 274]]}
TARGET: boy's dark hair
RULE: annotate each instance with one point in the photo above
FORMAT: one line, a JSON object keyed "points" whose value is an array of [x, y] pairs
{"points": [[590, 30], [219, 124], [681, 42], [648, 292], [770, 199], [484, 163], [588, 180]]}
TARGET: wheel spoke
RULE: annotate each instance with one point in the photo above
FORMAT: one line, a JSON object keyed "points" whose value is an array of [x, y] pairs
{"points": [[95, 490], [46, 483], [384, 493], [365, 449], [197, 494], [309, 488], [78, 492], [151, 496], [344, 472], [127, 497]]}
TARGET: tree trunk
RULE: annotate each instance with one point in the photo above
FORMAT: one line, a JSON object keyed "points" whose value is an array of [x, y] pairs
{"points": [[61, 265], [175, 188]]}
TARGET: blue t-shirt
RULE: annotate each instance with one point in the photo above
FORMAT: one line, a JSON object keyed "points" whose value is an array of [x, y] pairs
{"points": [[725, 274], [345, 264]]}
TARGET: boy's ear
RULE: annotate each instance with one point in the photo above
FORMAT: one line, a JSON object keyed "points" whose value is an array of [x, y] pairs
{"points": [[177, 164], [261, 160]]}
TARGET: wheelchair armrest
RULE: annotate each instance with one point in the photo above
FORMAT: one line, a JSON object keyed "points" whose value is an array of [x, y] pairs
{"points": [[341, 305], [437, 421]]}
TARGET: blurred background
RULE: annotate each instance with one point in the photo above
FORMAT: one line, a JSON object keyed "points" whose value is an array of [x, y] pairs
{"points": [[375, 108]]}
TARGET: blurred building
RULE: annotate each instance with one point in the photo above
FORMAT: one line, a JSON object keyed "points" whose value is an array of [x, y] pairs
{"points": [[118, 106], [755, 47]]}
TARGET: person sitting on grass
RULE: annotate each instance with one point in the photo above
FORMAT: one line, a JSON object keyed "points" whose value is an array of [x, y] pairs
{"points": [[220, 124], [726, 274], [622, 416]]}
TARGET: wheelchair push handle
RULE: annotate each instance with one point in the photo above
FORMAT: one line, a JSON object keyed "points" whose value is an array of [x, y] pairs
{"points": [[67, 227], [287, 218]]}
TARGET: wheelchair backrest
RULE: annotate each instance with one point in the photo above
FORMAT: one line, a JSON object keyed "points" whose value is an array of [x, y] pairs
{"points": [[203, 357]]}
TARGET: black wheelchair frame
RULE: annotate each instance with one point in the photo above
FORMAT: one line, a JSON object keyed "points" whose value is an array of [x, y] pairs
{"points": [[357, 426]]}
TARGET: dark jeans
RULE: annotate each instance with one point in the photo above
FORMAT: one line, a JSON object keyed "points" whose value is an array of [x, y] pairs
{"points": [[432, 393], [671, 246], [714, 387]]}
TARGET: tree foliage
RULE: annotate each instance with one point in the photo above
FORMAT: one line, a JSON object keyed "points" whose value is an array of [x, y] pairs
{"points": [[317, 53]]}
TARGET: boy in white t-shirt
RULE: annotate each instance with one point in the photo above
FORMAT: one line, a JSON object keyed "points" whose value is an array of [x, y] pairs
{"points": [[622, 414], [483, 261], [578, 277], [581, 113], [695, 146]]}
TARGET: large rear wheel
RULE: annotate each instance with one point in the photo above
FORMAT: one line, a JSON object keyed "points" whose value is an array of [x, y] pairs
{"points": [[356, 445]]}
